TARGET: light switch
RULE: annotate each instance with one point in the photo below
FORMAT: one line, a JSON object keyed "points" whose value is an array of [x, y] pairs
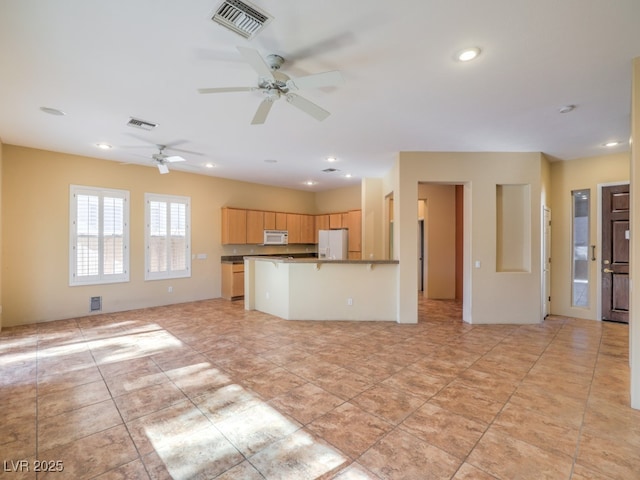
{"points": [[477, 264]]}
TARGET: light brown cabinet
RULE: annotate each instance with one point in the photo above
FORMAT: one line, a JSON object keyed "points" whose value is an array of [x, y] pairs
{"points": [[255, 226], [281, 221], [269, 220], [335, 220], [241, 226], [322, 223], [232, 280], [307, 229], [234, 226], [354, 225], [293, 227]]}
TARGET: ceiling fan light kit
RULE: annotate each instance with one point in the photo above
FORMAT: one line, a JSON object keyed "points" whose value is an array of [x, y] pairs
{"points": [[275, 84]]}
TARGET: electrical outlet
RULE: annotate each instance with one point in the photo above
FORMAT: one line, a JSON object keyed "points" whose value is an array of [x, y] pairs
{"points": [[170, 289], [350, 301], [267, 295]]}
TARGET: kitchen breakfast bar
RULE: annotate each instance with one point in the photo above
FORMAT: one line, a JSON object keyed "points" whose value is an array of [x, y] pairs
{"points": [[315, 289]]}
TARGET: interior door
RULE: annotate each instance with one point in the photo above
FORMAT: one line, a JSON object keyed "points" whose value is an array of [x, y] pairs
{"points": [[615, 253]]}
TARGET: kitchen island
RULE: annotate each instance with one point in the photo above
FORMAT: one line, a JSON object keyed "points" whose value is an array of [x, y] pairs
{"points": [[315, 289]]}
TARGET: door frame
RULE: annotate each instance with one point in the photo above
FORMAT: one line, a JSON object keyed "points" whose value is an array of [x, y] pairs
{"points": [[598, 261]]}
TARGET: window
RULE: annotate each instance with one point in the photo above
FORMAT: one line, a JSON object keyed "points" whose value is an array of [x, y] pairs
{"points": [[580, 244], [167, 237], [99, 236]]}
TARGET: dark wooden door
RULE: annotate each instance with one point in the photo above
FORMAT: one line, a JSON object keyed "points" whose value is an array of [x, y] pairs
{"points": [[615, 253]]}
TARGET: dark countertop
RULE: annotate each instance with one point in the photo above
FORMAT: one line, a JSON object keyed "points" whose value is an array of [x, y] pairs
{"points": [[279, 259], [240, 258]]}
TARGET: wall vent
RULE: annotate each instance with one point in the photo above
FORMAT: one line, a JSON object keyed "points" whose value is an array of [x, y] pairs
{"points": [[241, 17], [137, 123], [95, 304]]}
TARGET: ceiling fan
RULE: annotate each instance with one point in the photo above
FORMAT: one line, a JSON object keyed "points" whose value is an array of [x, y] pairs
{"points": [[162, 159], [275, 84]]}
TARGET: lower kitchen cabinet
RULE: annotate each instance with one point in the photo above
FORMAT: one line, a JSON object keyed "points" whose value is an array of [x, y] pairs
{"points": [[232, 281]]}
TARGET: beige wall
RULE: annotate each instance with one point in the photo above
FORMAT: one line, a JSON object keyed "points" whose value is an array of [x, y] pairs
{"points": [[489, 296], [35, 232], [338, 200], [634, 317], [568, 176]]}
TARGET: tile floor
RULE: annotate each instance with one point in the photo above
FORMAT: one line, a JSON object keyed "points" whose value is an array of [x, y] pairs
{"points": [[207, 390]]}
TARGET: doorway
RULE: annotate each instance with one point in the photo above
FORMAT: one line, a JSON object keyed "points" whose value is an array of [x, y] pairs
{"points": [[615, 253], [421, 255], [546, 262], [440, 240]]}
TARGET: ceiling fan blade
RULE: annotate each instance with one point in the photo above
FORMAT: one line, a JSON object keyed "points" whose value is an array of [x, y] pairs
{"points": [[163, 168], [307, 106], [226, 89], [325, 79], [174, 158], [255, 60], [263, 110]]}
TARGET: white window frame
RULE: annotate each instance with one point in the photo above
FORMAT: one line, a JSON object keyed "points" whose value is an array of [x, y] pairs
{"points": [[100, 277], [168, 273]]}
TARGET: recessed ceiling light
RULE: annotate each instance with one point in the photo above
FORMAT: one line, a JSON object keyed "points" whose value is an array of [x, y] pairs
{"points": [[612, 144], [104, 146], [468, 54], [567, 108], [52, 111], [310, 183], [348, 175], [271, 160], [209, 165], [332, 159]]}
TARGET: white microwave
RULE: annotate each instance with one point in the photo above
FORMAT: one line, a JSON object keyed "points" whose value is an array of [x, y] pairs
{"points": [[276, 237]]}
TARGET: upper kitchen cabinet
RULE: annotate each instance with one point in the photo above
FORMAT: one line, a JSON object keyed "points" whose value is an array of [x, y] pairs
{"points": [[354, 224], [307, 228], [281, 221], [293, 227], [234, 226], [255, 226], [335, 220], [322, 223], [269, 220]]}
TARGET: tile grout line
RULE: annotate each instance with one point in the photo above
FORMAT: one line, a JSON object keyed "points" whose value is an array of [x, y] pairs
{"points": [[507, 401]]}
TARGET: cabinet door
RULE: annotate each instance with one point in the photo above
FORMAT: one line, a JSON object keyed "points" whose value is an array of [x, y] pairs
{"points": [[335, 220], [238, 284], [354, 224], [234, 226], [255, 226], [307, 229], [269, 220], [293, 226], [281, 221], [322, 223]]}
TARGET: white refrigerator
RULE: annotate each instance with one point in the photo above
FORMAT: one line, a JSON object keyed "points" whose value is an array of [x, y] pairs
{"points": [[333, 244]]}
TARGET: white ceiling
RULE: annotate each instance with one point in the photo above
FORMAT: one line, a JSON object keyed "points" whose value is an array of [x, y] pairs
{"points": [[103, 62]]}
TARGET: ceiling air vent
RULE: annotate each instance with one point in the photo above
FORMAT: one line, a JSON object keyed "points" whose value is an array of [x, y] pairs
{"points": [[134, 122], [241, 17], [330, 170]]}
